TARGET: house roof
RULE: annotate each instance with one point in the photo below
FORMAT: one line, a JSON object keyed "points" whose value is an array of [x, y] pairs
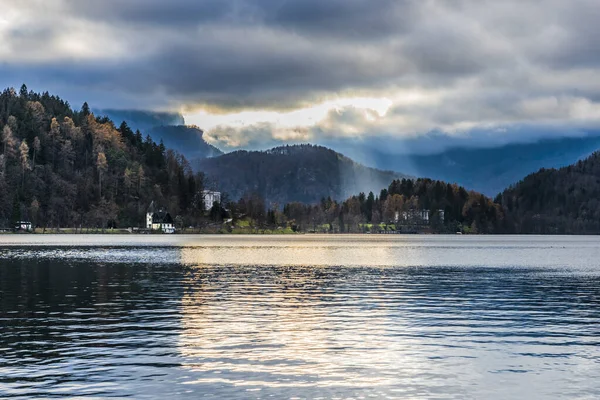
{"points": [[162, 217], [151, 208]]}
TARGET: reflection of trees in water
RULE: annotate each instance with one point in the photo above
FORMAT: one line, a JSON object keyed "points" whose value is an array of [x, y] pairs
{"points": [[66, 321]]}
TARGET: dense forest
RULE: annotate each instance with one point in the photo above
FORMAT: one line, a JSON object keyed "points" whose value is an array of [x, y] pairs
{"points": [[61, 167], [302, 173], [565, 200]]}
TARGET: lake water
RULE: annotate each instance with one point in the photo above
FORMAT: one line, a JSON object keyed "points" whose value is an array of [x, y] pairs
{"points": [[346, 317]]}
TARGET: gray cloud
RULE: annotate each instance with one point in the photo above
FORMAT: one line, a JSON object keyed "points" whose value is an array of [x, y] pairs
{"points": [[486, 62]]}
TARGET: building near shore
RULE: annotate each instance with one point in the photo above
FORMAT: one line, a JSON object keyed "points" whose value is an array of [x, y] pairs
{"points": [[23, 226], [418, 217], [209, 197], [158, 219]]}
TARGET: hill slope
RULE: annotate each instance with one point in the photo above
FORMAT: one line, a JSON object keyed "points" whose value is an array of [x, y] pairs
{"points": [[302, 173], [565, 200], [187, 140]]}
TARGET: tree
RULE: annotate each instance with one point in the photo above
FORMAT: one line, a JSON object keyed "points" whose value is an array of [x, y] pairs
{"points": [[54, 135], [9, 143], [37, 146], [24, 151], [33, 210], [67, 155], [101, 165], [85, 109], [128, 179], [23, 93]]}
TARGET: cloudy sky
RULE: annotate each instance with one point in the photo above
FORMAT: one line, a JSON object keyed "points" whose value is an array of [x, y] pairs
{"points": [[257, 72]]}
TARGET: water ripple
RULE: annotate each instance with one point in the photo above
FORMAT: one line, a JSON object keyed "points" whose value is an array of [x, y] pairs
{"points": [[394, 322]]}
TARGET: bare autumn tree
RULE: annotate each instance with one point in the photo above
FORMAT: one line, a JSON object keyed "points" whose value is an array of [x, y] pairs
{"points": [[54, 134], [128, 179], [9, 143], [12, 123], [24, 152], [141, 177], [68, 155], [102, 165], [36, 149]]}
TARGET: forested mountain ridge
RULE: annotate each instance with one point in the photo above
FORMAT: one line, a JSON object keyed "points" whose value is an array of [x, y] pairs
{"points": [[61, 167], [301, 173], [565, 200]]}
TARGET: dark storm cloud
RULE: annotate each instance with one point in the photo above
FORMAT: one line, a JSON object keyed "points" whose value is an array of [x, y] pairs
{"points": [[477, 62]]}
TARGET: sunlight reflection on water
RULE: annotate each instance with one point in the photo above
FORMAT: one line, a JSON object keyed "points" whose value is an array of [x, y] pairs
{"points": [[302, 316]]}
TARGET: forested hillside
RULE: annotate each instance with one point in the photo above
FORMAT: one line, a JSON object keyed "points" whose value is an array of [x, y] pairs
{"points": [[464, 211], [302, 173], [61, 167], [565, 200]]}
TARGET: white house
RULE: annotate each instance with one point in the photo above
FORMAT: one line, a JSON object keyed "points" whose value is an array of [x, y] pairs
{"points": [[417, 216], [159, 220], [23, 226], [209, 197]]}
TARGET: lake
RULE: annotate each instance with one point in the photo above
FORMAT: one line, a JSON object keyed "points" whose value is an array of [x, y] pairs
{"points": [[308, 316]]}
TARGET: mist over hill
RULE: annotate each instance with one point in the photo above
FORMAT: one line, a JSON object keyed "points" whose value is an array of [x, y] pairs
{"points": [[167, 127], [303, 173], [142, 120], [485, 169]]}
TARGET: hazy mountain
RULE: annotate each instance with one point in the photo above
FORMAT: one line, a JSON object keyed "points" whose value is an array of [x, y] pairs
{"points": [[487, 170], [565, 200], [141, 119], [303, 173], [187, 140], [168, 127]]}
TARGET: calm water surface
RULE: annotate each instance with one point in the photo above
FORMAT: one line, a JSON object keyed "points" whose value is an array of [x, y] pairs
{"points": [[448, 317]]}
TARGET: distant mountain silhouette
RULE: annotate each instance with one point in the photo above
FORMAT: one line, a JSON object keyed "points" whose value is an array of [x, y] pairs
{"points": [[187, 140], [168, 127], [486, 170], [142, 119], [303, 173]]}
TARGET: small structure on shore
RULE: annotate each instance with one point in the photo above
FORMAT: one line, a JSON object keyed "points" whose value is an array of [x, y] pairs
{"points": [[23, 226], [158, 219], [418, 217], [209, 197]]}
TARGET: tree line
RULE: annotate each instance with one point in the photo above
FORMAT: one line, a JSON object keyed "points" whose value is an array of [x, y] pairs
{"points": [[65, 168]]}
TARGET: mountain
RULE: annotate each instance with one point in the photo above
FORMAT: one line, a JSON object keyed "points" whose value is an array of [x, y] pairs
{"points": [[187, 140], [301, 173], [565, 200], [169, 128], [142, 120], [486, 170]]}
